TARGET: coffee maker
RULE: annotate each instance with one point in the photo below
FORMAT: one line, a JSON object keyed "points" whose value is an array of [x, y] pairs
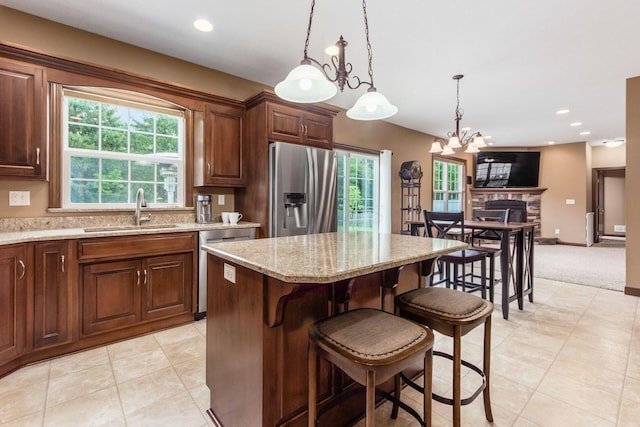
{"points": [[203, 208]]}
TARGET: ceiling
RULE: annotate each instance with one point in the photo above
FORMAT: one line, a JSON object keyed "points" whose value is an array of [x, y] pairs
{"points": [[522, 60]]}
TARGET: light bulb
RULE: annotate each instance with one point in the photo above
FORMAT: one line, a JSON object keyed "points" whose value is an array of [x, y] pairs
{"points": [[305, 84]]}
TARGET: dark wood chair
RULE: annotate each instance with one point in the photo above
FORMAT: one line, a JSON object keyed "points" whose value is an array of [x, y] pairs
{"points": [[453, 266], [453, 314], [517, 208], [371, 346], [477, 237]]}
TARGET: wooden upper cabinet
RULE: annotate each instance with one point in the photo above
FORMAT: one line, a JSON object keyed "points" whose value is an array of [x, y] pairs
{"points": [[289, 124], [219, 146], [22, 136]]}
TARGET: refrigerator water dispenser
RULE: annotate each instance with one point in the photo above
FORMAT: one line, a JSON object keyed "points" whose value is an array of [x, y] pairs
{"points": [[295, 205]]}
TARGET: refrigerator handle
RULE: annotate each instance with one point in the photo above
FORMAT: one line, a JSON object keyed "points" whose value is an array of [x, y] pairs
{"points": [[312, 189]]}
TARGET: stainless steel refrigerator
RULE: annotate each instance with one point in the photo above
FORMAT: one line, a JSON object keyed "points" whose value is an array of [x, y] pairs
{"points": [[302, 190]]}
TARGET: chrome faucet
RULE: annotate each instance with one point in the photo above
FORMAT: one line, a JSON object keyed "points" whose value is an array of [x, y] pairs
{"points": [[141, 203]]}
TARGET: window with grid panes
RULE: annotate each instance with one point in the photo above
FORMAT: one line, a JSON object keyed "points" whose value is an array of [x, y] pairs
{"points": [[448, 185], [112, 147]]}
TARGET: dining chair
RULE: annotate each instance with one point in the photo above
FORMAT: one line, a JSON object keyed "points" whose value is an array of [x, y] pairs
{"points": [[480, 235], [453, 266]]}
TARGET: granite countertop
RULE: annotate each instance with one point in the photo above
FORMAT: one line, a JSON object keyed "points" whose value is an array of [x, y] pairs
{"points": [[328, 257], [11, 237]]}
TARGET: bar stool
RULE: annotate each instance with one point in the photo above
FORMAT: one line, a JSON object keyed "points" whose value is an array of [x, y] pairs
{"points": [[370, 346], [454, 314]]}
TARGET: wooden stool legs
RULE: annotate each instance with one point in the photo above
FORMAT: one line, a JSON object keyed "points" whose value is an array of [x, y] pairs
{"points": [[486, 366]]}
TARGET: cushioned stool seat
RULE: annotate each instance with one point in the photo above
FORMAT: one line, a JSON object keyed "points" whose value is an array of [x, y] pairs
{"points": [[370, 346], [452, 313]]}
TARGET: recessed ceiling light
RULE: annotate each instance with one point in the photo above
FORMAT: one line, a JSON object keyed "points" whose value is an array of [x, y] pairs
{"points": [[490, 143], [551, 142], [574, 124], [466, 129], [586, 132], [332, 50], [487, 137], [203, 25], [562, 111], [613, 143]]}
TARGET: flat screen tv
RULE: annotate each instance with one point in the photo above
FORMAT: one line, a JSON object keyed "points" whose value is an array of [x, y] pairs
{"points": [[507, 169]]}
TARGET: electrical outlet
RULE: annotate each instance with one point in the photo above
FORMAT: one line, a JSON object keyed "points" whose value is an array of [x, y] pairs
{"points": [[19, 198], [221, 199], [557, 231], [230, 273]]}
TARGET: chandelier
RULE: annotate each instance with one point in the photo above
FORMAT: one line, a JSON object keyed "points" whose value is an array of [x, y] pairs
{"points": [[473, 141], [312, 81]]}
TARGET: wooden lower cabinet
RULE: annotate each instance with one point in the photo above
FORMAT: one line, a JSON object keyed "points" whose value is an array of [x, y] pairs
{"points": [[124, 293], [168, 286], [52, 302], [64, 296], [120, 293], [111, 295], [13, 301]]}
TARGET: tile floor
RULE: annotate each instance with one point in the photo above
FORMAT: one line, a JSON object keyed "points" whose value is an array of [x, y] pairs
{"points": [[570, 358]]}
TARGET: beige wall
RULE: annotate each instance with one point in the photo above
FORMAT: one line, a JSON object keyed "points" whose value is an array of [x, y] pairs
{"points": [[614, 212], [604, 157], [632, 193], [563, 173]]}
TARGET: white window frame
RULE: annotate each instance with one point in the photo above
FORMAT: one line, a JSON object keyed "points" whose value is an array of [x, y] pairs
{"points": [[446, 192], [124, 99]]}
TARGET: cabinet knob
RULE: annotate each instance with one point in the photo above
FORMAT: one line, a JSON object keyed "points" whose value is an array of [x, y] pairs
{"points": [[23, 269]]}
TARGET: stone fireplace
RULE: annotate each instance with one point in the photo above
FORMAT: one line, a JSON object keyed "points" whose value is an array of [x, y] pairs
{"points": [[532, 196]]}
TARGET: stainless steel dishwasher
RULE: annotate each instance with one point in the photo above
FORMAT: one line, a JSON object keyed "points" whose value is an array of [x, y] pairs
{"points": [[215, 236]]}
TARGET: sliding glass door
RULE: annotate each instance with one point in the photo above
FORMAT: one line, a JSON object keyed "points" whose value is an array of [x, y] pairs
{"points": [[358, 190]]}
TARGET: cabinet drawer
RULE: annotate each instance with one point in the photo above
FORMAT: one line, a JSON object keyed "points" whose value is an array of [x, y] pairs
{"points": [[114, 248]]}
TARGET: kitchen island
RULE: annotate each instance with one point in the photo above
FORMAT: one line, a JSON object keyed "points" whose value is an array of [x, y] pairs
{"points": [[263, 295]]}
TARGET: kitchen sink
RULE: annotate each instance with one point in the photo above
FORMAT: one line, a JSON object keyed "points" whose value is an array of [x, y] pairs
{"points": [[129, 227]]}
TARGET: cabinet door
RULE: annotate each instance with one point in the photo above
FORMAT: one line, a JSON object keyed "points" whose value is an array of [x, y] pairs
{"points": [[318, 130], [290, 124], [223, 146], [168, 285], [111, 295], [284, 124], [51, 294], [21, 121], [13, 304]]}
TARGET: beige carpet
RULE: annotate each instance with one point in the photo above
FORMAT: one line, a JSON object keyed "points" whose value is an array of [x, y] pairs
{"points": [[598, 266]]}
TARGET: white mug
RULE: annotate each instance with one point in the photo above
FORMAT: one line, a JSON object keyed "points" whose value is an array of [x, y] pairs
{"points": [[234, 217], [225, 217]]}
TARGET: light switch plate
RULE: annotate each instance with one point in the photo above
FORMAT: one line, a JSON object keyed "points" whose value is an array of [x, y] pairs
{"points": [[19, 198], [230, 273], [221, 199], [571, 201]]}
